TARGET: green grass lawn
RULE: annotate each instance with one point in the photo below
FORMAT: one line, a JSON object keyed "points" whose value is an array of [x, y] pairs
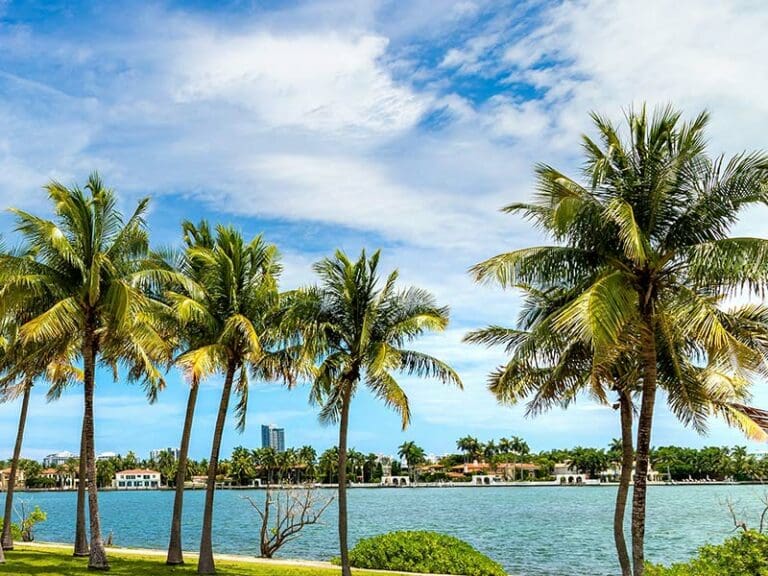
{"points": [[58, 562]]}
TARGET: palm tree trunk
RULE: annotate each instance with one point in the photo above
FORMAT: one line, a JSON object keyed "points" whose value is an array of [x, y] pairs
{"points": [[644, 425], [627, 456], [343, 429], [97, 559], [175, 555], [81, 534], [6, 542], [205, 563]]}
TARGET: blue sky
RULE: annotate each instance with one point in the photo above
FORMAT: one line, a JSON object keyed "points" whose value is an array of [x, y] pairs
{"points": [[373, 123]]}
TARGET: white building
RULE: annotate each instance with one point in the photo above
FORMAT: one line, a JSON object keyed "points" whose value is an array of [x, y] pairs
{"points": [[58, 459], [613, 474], [566, 474], [484, 480], [137, 480], [106, 456], [395, 481], [155, 454]]}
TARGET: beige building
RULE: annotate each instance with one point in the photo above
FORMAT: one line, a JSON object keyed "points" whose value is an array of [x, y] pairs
{"points": [[5, 474]]}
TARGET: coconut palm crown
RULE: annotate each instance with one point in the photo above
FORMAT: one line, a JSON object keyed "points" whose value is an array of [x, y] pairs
{"points": [[222, 293], [79, 269], [357, 328], [642, 241]]}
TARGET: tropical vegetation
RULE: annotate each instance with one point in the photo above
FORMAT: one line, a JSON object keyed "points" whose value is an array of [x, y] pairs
{"points": [[77, 273], [742, 555], [641, 290], [633, 293], [356, 326], [422, 552]]}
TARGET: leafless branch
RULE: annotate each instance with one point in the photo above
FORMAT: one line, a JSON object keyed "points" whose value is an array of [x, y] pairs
{"points": [[293, 508]]}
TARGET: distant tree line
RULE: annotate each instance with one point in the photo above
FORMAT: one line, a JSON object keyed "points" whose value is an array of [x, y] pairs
{"points": [[304, 464]]}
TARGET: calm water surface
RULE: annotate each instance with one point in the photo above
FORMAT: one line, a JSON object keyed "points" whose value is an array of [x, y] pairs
{"points": [[532, 531]]}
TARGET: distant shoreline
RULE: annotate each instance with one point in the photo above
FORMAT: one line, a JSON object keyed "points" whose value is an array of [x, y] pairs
{"points": [[542, 484]]}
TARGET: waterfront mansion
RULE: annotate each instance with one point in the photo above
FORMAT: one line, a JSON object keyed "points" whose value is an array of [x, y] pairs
{"points": [[137, 480]]}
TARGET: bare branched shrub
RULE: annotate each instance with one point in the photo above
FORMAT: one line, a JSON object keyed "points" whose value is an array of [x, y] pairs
{"points": [[741, 524], [285, 512]]}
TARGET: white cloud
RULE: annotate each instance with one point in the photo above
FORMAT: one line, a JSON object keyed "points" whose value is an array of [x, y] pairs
{"points": [[323, 81], [506, 117], [308, 116], [594, 54]]}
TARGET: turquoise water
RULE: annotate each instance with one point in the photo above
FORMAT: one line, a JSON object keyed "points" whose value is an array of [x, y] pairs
{"points": [[532, 531]]}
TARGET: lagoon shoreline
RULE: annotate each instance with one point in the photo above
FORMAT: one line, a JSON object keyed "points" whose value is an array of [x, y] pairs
{"points": [[416, 485]]}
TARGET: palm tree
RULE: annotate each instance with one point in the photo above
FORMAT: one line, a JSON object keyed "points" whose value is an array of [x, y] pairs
{"points": [[413, 455], [21, 366], [329, 465], [518, 446], [356, 327], [266, 459], [82, 276], [307, 462], [552, 370], [489, 450], [230, 305], [176, 278], [643, 246], [470, 446]]}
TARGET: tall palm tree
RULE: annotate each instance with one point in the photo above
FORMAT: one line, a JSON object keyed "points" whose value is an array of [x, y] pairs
{"points": [[643, 244], [356, 328], [551, 370], [21, 366], [230, 304], [176, 278], [82, 275]]}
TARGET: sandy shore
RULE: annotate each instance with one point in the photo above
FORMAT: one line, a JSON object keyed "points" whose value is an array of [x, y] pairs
{"points": [[224, 557], [189, 555]]}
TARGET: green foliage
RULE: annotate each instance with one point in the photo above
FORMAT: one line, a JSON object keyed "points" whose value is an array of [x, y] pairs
{"points": [[24, 531], [423, 552], [743, 555], [589, 460]]}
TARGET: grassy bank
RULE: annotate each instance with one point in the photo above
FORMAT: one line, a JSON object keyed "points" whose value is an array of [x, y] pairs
{"points": [[50, 561]]}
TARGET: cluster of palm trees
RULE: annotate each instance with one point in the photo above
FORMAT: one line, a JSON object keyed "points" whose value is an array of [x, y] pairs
{"points": [[635, 294], [84, 289], [292, 465], [473, 449]]}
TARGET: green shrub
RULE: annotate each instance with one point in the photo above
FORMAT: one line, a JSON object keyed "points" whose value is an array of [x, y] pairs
{"points": [[424, 552], [743, 555], [25, 530]]}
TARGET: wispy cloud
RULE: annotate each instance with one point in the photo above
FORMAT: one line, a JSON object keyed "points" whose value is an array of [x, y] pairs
{"points": [[376, 123]]}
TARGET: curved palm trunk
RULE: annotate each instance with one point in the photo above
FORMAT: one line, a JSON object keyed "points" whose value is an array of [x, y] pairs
{"points": [[205, 563], [81, 535], [343, 428], [6, 542], [175, 555], [97, 559], [627, 456], [644, 425]]}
